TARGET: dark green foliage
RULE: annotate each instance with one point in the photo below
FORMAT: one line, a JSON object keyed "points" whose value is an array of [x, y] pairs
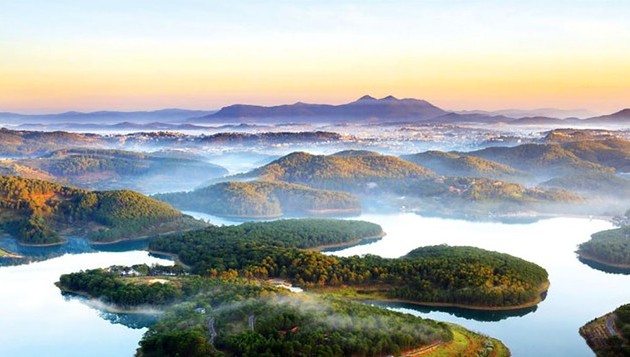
{"points": [[610, 246], [619, 344], [34, 211], [286, 233], [439, 274], [469, 275], [261, 199], [282, 324], [192, 342], [107, 286], [286, 325]]}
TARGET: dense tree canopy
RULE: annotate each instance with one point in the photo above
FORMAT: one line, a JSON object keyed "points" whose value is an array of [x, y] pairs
{"points": [[457, 275], [244, 318], [34, 211], [340, 171], [608, 247]]}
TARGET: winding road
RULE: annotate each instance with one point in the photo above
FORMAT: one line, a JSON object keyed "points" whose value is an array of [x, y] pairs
{"points": [[610, 325], [213, 333]]}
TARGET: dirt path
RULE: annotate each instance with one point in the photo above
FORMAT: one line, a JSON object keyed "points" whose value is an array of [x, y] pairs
{"points": [[423, 350]]}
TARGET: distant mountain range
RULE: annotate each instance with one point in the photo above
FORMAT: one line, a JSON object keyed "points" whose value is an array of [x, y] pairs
{"points": [[539, 112], [365, 110], [389, 109], [104, 117]]}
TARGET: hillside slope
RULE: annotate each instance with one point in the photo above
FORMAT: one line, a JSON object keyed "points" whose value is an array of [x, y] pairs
{"points": [[262, 199], [40, 212]]}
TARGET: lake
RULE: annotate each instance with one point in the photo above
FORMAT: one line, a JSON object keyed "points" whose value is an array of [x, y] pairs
{"points": [[36, 320], [43, 322], [577, 294]]}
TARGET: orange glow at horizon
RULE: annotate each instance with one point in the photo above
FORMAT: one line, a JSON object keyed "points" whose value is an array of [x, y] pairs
{"points": [[462, 56], [476, 83]]}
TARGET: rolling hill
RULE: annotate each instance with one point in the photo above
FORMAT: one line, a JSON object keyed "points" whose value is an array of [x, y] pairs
{"points": [[39, 212], [544, 161], [116, 169], [349, 170], [457, 164], [263, 200]]}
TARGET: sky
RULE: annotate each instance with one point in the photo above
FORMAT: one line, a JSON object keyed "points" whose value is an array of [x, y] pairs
{"points": [[204, 54]]}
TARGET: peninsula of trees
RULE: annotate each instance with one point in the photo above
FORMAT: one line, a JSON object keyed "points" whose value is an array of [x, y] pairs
{"points": [[447, 275], [207, 316], [39, 213], [610, 248]]}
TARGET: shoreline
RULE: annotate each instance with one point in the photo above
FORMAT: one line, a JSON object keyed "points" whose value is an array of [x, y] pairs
{"points": [[590, 258], [43, 245], [349, 244], [147, 237], [8, 254], [173, 256], [499, 217], [382, 299], [309, 213], [102, 305], [334, 211]]}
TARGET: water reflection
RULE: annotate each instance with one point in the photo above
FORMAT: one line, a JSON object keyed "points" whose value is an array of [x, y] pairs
{"points": [[468, 314], [605, 268], [73, 245], [135, 321], [39, 321], [578, 293]]}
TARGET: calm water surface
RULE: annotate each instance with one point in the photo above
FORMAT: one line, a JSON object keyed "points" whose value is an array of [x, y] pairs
{"points": [[37, 320], [577, 294]]}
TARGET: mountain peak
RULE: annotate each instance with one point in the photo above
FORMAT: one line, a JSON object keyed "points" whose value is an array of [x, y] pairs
{"points": [[389, 97], [366, 98]]}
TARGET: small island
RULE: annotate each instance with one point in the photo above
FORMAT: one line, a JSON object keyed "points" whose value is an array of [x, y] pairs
{"points": [[610, 248], [609, 335], [40, 213]]}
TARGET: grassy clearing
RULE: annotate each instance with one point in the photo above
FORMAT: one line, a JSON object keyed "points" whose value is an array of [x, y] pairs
{"points": [[467, 343]]}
